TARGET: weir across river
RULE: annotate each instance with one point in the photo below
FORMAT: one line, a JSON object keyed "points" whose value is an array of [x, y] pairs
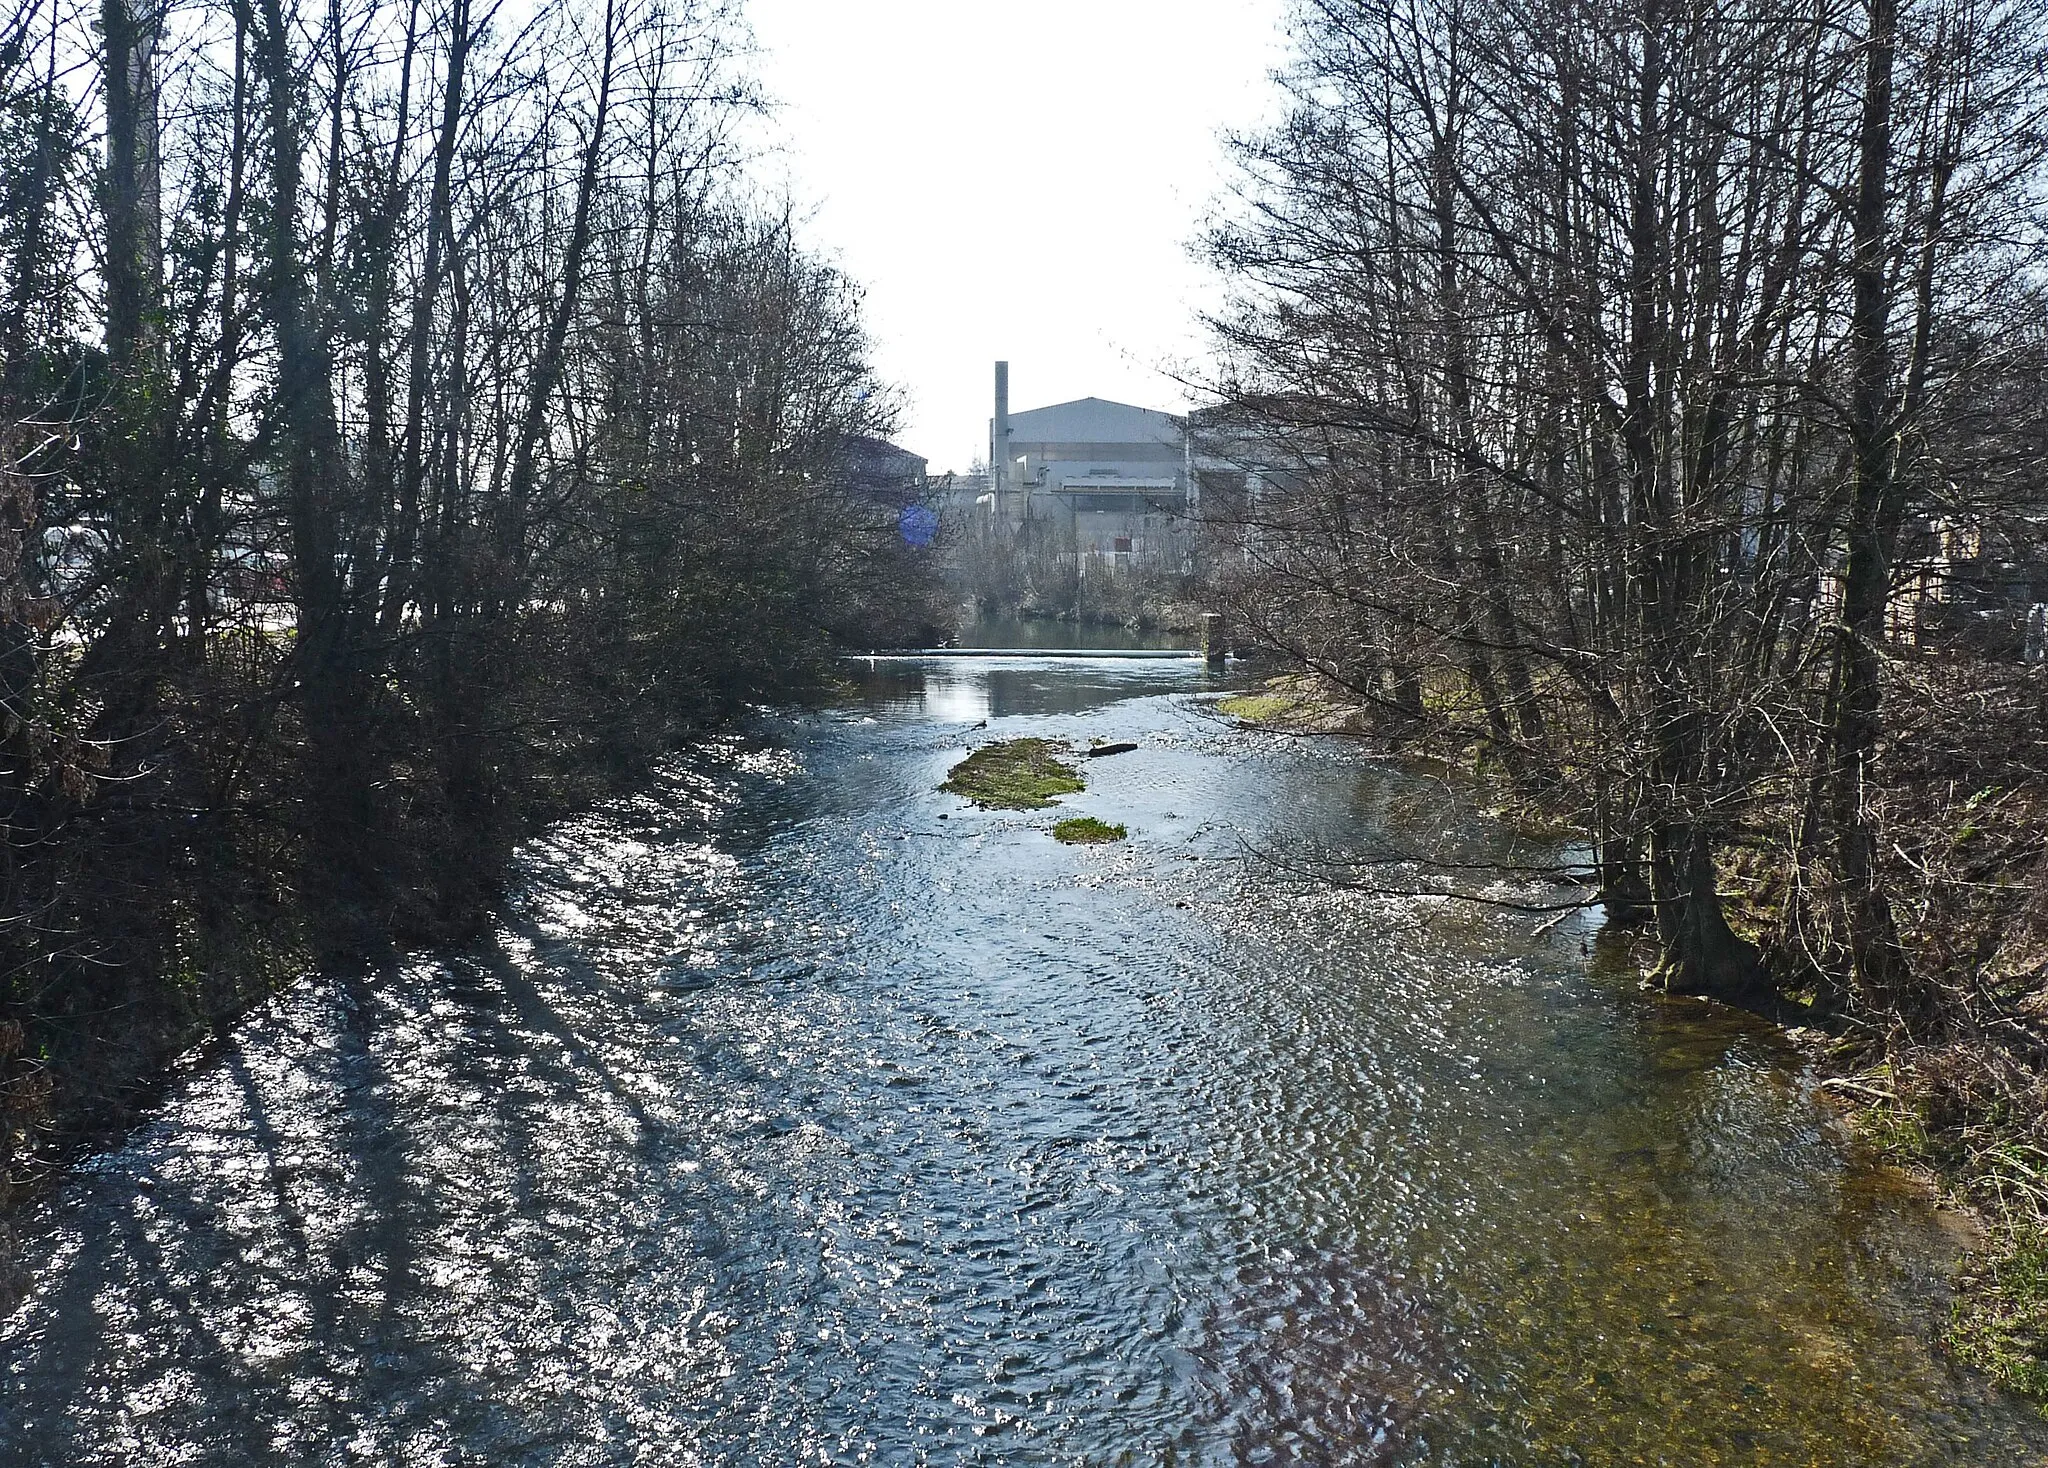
{"points": [[1051, 654]]}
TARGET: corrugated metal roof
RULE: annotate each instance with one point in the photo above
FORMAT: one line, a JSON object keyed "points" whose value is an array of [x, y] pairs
{"points": [[1094, 420]]}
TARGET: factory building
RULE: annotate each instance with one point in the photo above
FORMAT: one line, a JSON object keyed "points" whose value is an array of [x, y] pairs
{"points": [[1107, 481], [875, 469]]}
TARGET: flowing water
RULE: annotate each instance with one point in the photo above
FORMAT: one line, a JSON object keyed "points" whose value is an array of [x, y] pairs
{"points": [[794, 1113]]}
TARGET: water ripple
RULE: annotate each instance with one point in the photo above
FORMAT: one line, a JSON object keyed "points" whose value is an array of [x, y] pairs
{"points": [[794, 1113]]}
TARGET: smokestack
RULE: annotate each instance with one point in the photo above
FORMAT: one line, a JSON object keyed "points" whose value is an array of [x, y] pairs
{"points": [[999, 439]]}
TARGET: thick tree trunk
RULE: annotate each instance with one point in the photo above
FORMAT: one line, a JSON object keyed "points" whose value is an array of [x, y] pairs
{"points": [[1878, 967], [1701, 954], [124, 661], [134, 191], [332, 695]]}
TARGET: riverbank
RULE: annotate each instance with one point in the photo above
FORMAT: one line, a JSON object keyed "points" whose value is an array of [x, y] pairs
{"points": [[1177, 628], [1984, 1156], [1160, 609], [1968, 1110]]}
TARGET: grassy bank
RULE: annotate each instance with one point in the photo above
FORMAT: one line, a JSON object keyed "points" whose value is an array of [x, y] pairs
{"points": [[1978, 1130]]}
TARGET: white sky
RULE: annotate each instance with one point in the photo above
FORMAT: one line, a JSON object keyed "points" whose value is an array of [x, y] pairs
{"points": [[1016, 180]]}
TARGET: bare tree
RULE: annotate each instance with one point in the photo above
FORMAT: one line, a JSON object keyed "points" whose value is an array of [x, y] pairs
{"points": [[1589, 347]]}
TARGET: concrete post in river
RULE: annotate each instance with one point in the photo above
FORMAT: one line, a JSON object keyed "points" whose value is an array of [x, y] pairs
{"points": [[1215, 642]]}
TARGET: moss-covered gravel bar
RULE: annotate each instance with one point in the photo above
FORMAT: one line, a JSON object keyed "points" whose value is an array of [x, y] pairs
{"points": [[1014, 774]]}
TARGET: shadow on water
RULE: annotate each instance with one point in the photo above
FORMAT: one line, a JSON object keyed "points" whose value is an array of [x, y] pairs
{"points": [[782, 1120]]}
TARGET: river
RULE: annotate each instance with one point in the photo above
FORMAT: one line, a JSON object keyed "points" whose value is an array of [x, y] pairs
{"points": [[796, 1113]]}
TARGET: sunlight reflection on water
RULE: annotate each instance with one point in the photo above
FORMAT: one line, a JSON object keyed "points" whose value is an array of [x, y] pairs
{"points": [[782, 1120]]}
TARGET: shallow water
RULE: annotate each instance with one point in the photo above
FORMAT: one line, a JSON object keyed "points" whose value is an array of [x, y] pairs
{"points": [[796, 1113]]}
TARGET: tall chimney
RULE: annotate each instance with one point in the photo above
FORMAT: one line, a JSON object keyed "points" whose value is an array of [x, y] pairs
{"points": [[999, 440]]}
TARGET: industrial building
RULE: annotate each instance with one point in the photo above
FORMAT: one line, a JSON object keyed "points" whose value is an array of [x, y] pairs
{"points": [[878, 470], [1106, 481]]}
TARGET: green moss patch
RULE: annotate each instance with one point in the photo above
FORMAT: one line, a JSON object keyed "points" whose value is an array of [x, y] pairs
{"points": [[1087, 831], [1297, 704], [1013, 774], [1260, 708]]}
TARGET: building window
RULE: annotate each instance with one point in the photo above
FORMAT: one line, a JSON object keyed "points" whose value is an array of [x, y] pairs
{"points": [[1123, 545]]}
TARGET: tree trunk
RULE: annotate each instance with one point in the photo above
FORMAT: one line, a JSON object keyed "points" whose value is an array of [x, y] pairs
{"points": [[134, 194], [1878, 967], [331, 692], [1700, 953], [547, 370]]}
